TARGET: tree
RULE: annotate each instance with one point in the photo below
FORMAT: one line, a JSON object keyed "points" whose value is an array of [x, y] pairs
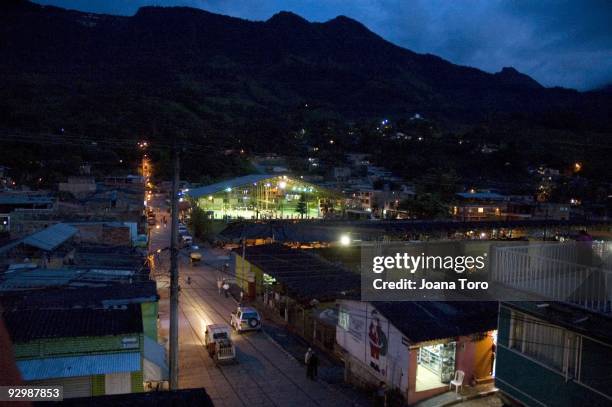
{"points": [[425, 206], [302, 207], [200, 222]]}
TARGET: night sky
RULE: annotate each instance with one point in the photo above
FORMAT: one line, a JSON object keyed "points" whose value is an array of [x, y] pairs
{"points": [[557, 42]]}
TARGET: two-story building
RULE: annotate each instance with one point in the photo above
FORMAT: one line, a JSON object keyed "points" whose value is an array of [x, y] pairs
{"points": [[479, 205], [556, 351], [67, 297], [87, 351]]}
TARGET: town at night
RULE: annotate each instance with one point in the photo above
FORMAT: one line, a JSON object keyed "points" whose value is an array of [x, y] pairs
{"points": [[306, 203]]}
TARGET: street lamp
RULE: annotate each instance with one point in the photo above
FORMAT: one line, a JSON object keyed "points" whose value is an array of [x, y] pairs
{"points": [[345, 240]]}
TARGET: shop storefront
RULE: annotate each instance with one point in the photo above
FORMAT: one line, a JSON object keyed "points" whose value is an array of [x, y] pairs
{"points": [[439, 359]]}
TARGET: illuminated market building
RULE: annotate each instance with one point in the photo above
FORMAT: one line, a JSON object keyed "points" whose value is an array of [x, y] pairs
{"points": [[264, 196]]}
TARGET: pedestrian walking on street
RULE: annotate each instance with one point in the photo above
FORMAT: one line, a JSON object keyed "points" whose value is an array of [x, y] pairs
{"points": [[219, 285], [241, 296], [226, 287], [188, 280]]}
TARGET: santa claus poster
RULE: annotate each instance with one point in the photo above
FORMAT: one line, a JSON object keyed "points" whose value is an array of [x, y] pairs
{"points": [[377, 343]]}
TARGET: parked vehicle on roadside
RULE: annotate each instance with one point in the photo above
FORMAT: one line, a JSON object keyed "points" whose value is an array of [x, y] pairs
{"points": [[195, 258], [186, 240], [246, 319], [218, 340]]}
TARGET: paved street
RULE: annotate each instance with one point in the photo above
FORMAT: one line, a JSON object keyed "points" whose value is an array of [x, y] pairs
{"points": [[264, 375]]}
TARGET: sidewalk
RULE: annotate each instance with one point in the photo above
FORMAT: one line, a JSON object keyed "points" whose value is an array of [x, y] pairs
{"points": [[467, 393]]}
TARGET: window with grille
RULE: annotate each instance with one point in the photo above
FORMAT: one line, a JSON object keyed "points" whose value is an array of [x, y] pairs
{"points": [[551, 345]]}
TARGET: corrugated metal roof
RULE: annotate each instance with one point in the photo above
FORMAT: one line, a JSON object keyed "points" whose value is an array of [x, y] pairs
{"points": [[429, 320], [27, 278], [22, 199], [24, 279], [482, 195], [86, 365], [29, 325], [110, 294], [230, 183], [51, 237], [304, 275]]}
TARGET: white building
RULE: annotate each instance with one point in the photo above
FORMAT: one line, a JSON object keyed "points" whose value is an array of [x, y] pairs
{"points": [[416, 347]]}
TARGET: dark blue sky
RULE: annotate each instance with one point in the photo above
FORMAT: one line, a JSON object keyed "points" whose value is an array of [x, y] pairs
{"points": [[557, 42]]}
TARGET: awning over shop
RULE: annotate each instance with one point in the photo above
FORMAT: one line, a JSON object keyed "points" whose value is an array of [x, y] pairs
{"points": [[155, 367], [84, 365]]}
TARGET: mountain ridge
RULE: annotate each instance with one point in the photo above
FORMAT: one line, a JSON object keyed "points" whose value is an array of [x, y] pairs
{"points": [[240, 69]]}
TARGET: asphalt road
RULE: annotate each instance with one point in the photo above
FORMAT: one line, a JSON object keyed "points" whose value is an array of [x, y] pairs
{"points": [[265, 375]]}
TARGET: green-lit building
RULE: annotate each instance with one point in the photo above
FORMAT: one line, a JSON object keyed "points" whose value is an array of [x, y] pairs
{"points": [[264, 196]]}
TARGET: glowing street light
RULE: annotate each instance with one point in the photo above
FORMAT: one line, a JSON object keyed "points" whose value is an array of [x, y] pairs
{"points": [[345, 240]]}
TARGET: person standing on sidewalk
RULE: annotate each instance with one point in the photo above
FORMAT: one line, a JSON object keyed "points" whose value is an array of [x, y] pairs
{"points": [[314, 363], [307, 356], [307, 360]]}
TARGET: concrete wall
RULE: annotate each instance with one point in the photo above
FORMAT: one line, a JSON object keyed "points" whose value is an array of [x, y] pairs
{"points": [[390, 366], [65, 346], [98, 385], [149, 319], [104, 234], [248, 274]]}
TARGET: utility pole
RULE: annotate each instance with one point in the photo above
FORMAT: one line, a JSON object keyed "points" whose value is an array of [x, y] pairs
{"points": [[174, 385]]}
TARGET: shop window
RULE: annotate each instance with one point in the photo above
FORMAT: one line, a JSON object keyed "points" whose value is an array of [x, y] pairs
{"points": [[435, 366]]}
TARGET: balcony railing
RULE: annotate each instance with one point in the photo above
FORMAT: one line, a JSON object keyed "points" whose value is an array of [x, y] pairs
{"points": [[579, 272]]}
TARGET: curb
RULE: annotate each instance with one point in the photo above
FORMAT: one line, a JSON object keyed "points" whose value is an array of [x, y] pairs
{"points": [[468, 398], [279, 346]]}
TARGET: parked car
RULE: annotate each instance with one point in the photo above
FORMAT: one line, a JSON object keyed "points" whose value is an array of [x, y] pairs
{"points": [[186, 240], [246, 319], [219, 345], [151, 221], [182, 230]]}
